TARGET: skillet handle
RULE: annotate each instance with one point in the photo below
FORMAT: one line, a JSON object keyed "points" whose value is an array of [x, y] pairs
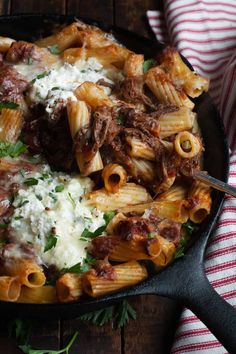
{"points": [[211, 309]]}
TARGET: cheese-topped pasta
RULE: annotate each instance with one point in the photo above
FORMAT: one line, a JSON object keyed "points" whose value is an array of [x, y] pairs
{"points": [[100, 183]]}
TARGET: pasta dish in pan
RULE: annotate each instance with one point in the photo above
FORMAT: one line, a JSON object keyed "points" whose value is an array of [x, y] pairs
{"points": [[97, 150]]}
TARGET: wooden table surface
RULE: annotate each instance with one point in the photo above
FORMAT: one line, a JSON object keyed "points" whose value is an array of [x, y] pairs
{"points": [[154, 328]]}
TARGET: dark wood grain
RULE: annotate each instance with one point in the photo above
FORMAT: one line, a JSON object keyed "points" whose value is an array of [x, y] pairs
{"points": [[132, 14], [5, 7], [95, 9], [38, 6], [92, 339]]}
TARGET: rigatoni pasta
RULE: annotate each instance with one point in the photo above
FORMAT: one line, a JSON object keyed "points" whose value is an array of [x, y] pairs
{"points": [[98, 149]]}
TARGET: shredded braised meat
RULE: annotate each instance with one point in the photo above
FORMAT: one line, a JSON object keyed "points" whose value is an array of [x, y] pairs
{"points": [[22, 51], [12, 84]]}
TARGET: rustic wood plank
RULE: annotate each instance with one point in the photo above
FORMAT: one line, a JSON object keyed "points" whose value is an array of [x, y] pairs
{"points": [[154, 328], [132, 14], [38, 6], [5, 6], [43, 334], [95, 9], [92, 339]]}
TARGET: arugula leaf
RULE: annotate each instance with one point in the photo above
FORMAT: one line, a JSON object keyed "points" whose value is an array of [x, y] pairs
{"points": [[59, 188], [54, 49], [31, 182], [120, 314], [12, 150], [9, 105], [148, 64], [27, 349], [51, 242], [40, 76]]}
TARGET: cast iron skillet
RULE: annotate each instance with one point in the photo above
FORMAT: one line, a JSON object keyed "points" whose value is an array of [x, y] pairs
{"points": [[185, 279]]}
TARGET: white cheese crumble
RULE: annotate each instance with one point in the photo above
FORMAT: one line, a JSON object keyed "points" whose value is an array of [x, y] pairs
{"points": [[54, 208], [59, 83]]}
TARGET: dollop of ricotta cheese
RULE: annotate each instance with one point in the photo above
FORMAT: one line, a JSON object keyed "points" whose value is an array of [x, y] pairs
{"points": [[50, 208]]}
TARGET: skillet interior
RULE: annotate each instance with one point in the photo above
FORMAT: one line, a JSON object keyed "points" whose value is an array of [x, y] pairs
{"points": [[216, 162]]}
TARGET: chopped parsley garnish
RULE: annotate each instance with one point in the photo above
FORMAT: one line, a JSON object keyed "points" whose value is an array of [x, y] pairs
{"points": [[9, 105], [40, 76], [55, 88], [181, 248], [151, 235], [59, 188], [108, 216], [3, 226], [12, 150], [30, 61], [148, 64], [120, 119], [22, 202], [81, 267], [54, 49], [18, 217], [22, 172], [72, 199], [190, 227], [31, 182], [39, 197], [44, 176], [52, 196], [51, 242]]}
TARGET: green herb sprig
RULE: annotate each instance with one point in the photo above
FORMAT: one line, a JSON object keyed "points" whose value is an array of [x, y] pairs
{"points": [[51, 242], [12, 150], [54, 49], [9, 105], [148, 64]]}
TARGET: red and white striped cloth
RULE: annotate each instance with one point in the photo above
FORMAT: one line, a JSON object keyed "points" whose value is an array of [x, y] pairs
{"points": [[204, 31]]}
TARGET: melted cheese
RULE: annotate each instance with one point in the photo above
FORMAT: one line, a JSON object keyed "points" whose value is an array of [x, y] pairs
{"points": [[39, 209]]}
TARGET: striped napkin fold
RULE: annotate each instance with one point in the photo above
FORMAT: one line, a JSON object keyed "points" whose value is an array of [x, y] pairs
{"points": [[204, 31]]}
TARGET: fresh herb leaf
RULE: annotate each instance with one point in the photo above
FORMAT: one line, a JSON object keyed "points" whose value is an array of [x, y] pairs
{"points": [[30, 61], [18, 217], [22, 172], [108, 216], [54, 49], [40, 76], [51, 242], [12, 150], [151, 235], [120, 314], [22, 202], [148, 64], [9, 105], [3, 226], [39, 197], [55, 88], [190, 227], [181, 247], [72, 199], [52, 196], [20, 329], [31, 182], [27, 349], [44, 176], [86, 234], [59, 188], [81, 267], [120, 119]]}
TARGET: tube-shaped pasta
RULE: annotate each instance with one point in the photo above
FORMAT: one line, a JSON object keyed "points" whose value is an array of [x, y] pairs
{"points": [[64, 38], [92, 37], [71, 55], [126, 274], [175, 122], [69, 287], [187, 145], [111, 54], [114, 222], [200, 193], [139, 149], [143, 169], [29, 273], [166, 254], [139, 248], [163, 88], [176, 192], [9, 288], [129, 194], [114, 177], [192, 83], [79, 118], [163, 208], [92, 94], [134, 65], [11, 122], [5, 44], [42, 295]]}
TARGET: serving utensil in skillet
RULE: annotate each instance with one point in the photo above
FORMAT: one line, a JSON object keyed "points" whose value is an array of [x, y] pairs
{"points": [[185, 279]]}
